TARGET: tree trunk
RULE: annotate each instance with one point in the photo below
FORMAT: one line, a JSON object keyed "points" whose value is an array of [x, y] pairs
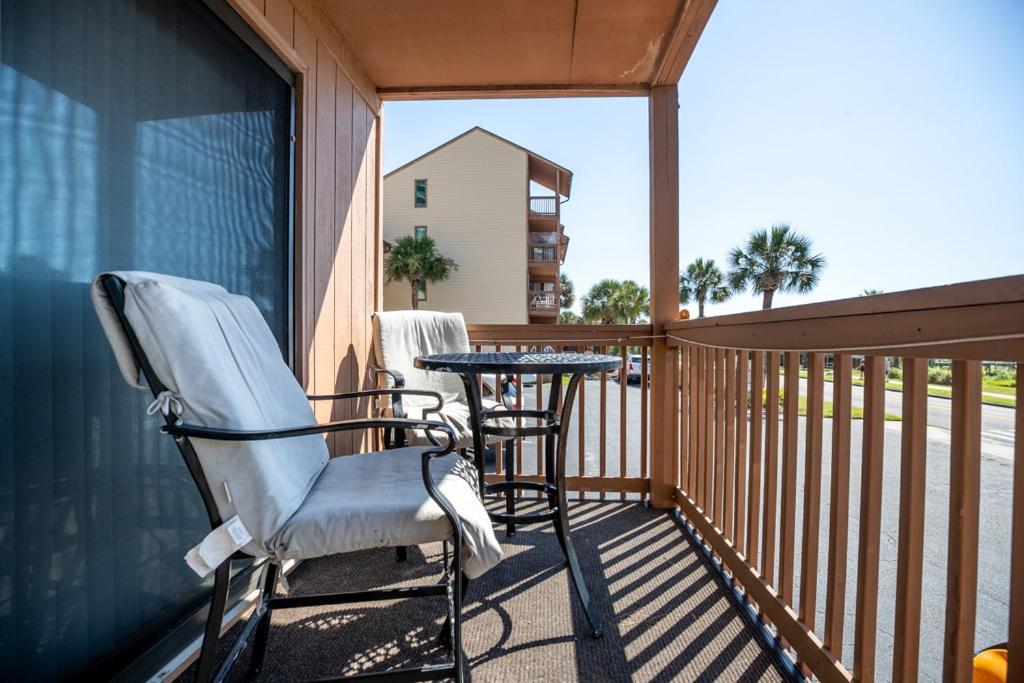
{"points": [[700, 308], [415, 284], [766, 302]]}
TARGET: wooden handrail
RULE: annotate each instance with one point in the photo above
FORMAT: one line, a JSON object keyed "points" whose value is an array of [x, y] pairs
{"points": [[981, 320]]}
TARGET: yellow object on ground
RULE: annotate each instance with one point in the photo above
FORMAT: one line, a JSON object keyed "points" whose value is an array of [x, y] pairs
{"points": [[990, 666]]}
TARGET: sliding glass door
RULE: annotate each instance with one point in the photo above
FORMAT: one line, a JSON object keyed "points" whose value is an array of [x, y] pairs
{"points": [[134, 134]]}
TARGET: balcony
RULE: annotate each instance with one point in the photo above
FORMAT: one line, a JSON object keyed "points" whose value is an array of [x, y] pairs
{"points": [[803, 502], [544, 207], [543, 303]]}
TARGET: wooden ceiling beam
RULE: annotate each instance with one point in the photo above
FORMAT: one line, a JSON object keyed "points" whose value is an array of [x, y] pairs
{"points": [[482, 92], [692, 18]]}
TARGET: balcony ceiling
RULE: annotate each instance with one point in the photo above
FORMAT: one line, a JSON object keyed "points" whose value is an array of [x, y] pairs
{"points": [[466, 48]]}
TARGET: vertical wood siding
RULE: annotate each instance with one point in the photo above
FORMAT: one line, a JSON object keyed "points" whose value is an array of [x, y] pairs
{"points": [[337, 214]]}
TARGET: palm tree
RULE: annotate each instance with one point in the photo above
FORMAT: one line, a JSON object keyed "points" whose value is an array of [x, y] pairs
{"points": [[610, 301], [703, 281], [417, 260], [568, 291], [631, 303], [569, 318], [597, 303], [773, 260]]}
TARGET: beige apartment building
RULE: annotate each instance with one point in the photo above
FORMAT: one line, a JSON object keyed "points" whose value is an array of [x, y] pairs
{"points": [[472, 195]]}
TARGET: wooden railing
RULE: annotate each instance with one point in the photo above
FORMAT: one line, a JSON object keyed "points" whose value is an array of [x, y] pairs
{"points": [[543, 301], [546, 206], [608, 451], [737, 472]]}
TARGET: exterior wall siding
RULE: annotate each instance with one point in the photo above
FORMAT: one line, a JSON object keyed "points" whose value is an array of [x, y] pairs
{"points": [[337, 227], [476, 213]]}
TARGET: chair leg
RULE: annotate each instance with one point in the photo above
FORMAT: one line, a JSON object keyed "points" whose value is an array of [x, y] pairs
{"points": [[401, 553], [444, 638], [259, 646], [208, 654], [510, 495]]}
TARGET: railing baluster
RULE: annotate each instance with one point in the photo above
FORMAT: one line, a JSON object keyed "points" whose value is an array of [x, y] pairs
{"points": [[693, 453], [643, 412], [729, 452], [771, 469], [539, 385], [719, 435], [839, 505], [677, 423], [701, 427], [623, 381], [741, 449], [684, 432], [910, 554], [790, 423], [499, 447], [603, 432], [519, 421], [964, 495], [870, 519], [812, 488], [709, 436], [754, 481], [1015, 669], [581, 420]]}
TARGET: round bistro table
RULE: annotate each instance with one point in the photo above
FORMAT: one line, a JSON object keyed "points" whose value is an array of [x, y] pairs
{"points": [[552, 424]]}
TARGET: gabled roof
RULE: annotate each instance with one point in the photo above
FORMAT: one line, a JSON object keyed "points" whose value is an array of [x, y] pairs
{"points": [[542, 171]]}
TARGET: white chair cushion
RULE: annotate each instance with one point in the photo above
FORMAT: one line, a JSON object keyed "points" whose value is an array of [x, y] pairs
{"points": [[215, 351], [456, 415], [400, 336], [375, 500]]}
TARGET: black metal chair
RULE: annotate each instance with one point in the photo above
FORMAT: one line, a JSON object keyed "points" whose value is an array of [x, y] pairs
{"points": [[257, 627]]}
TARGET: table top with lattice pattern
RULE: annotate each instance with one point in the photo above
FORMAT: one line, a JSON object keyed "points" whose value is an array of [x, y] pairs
{"points": [[515, 362]]}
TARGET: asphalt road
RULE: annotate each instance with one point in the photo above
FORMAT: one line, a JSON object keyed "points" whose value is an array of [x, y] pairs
{"points": [[996, 481], [996, 421]]}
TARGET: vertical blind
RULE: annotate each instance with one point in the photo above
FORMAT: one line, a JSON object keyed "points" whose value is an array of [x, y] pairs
{"points": [[138, 135]]}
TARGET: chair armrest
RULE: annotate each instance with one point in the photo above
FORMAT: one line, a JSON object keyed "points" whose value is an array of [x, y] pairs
{"points": [[179, 431], [395, 375], [395, 395]]}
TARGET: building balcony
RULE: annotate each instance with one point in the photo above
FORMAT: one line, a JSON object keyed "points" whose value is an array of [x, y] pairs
{"points": [[544, 207], [543, 303]]}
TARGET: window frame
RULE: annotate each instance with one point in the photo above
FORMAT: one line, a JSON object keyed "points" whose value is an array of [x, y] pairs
{"points": [[416, 231], [415, 193], [421, 290]]}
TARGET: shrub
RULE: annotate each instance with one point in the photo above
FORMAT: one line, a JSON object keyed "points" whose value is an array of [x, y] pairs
{"points": [[1001, 377], [940, 375], [895, 373]]}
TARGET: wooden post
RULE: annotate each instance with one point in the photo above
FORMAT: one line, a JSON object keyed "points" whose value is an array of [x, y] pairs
{"points": [[664, 248]]}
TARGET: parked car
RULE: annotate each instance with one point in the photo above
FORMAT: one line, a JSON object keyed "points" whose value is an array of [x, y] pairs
{"points": [[634, 367]]}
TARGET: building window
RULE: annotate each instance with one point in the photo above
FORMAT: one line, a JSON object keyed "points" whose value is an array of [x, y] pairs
{"points": [[421, 192], [420, 231], [421, 291]]}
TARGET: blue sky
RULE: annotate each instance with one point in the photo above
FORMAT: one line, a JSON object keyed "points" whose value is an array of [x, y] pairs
{"points": [[891, 133]]}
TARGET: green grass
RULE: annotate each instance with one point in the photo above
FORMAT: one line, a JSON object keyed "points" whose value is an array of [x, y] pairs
{"points": [[1006, 399], [856, 412]]}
